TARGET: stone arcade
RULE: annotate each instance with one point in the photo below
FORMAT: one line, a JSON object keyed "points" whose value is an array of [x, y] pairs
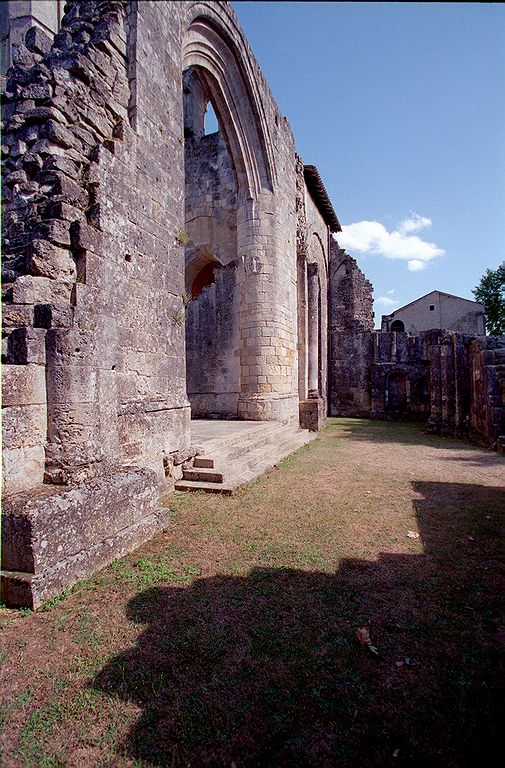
{"points": [[152, 272]]}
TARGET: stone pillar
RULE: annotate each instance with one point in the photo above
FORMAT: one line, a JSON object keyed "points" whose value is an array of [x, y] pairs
{"points": [[313, 330], [313, 410], [302, 326], [267, 321]]}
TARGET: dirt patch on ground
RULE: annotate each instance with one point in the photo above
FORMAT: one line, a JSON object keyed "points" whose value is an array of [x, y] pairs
{"points": [[231, 639]]}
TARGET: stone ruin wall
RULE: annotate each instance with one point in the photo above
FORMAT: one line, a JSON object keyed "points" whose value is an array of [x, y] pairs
{"points": [[453, 382], [487, 391], [93, 278], [95, 412], [350, 331], [261, 149], [317, 255]]}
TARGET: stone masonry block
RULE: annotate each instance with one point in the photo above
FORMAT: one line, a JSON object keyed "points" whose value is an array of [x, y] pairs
{"points": [[23, 385], [27, 345], [37, 41], [48, 260], [24, 426], [53, 537], [17, 315], [22, 468], [50, 316], [40, 290]]}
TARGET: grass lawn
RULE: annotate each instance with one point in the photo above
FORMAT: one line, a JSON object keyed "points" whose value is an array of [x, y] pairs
{"points": [[230, 640]]}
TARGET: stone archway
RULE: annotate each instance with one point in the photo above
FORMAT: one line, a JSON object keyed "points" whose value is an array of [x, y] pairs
{"points": [[211, 265], [237, 226]]}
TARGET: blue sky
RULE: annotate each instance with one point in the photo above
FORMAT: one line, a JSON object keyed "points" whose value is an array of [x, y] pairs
{"points": [[402, 108]]}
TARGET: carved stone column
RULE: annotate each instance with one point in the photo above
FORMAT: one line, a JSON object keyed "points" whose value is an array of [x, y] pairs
{"points": [[312, 410]]}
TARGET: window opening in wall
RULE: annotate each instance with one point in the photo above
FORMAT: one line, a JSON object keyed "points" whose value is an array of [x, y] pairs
{"points": [[432, 307], [398, 325], [211, 124]]}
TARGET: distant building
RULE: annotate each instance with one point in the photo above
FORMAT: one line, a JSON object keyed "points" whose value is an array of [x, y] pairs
{"points": [[437, 310]]}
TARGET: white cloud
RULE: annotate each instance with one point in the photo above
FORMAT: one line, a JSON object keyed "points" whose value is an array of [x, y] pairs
{"points": [[415, 265], [385, 301], [391, 291], [413, 224], [373, 237]]}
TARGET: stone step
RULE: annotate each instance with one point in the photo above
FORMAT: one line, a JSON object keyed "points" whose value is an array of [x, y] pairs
{"points": [[191, 485], [203, 475], [223, 453], [251, 464], [203, 462], [283, 446], [262, 430], [269, 454]]}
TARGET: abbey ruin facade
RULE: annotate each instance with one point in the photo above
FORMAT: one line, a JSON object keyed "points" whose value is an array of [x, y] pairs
{"points": [[152, 273]]}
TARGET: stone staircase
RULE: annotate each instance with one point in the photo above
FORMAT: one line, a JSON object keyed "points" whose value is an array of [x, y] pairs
{"points": [[232, 453]]}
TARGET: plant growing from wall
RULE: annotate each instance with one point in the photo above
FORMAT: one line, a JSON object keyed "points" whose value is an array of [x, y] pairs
{"points": [[178, 317], [182, 237]]}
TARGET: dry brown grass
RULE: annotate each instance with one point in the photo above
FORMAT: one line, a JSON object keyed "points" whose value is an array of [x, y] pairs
{"points": [[231, 638]]}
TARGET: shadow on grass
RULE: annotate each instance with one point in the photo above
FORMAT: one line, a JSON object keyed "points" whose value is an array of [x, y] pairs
{"points": [[405, 432], [265, 670]]}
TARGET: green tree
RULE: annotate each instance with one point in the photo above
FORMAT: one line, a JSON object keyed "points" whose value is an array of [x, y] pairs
{"points": [[491, 293]]}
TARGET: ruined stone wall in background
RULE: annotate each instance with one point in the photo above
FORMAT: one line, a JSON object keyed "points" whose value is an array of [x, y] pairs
{"points": [[487, 371], [400, 377], [350, 336], [351, 294], [447, 354], [453, 382]]}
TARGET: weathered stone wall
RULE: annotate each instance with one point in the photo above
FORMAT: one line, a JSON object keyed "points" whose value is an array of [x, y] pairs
{"points": [[447, 353], [91, 247], [453, 382], [312, 267], [487, 412], [261, 149], [350, 334], [90, 281], [54, 121], [351, 293], [17, 17], [94, 265], [400, 377]]}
